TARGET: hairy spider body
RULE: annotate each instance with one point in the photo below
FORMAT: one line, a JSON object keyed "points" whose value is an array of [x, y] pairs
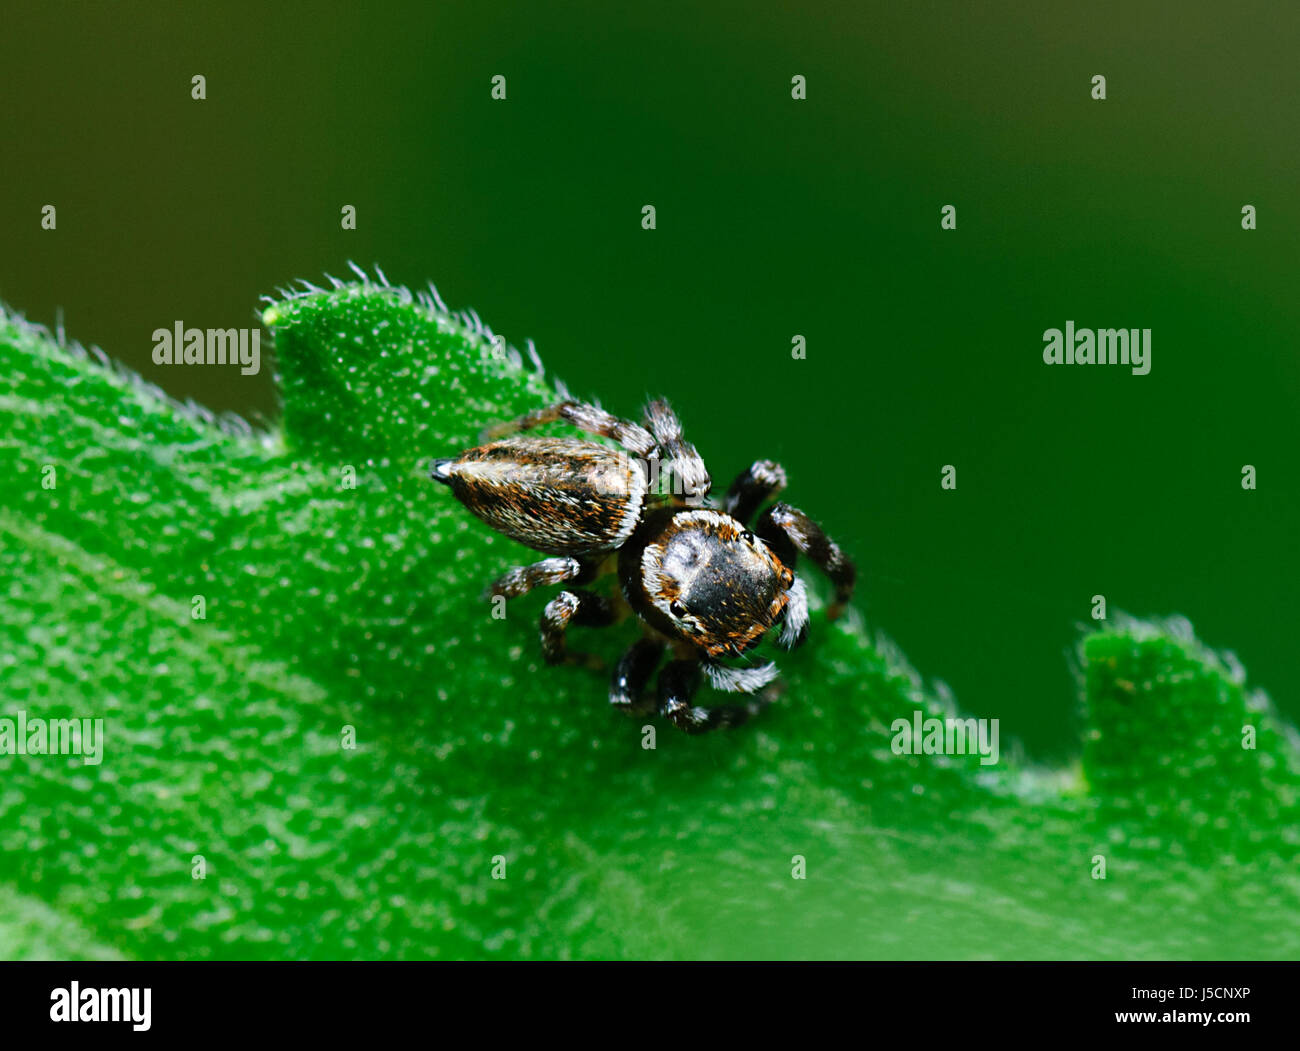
{"points": [[701, 583]]}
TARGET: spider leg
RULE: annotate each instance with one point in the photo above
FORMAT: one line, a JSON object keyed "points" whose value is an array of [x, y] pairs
{"points": [[522, 579], [585, 417], [678, 458], [632, 674], [752, 488], [788, 530], [582, 608], [677, 685]]}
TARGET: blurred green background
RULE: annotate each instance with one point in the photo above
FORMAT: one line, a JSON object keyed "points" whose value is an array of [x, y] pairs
{"points": [[775, 217]]}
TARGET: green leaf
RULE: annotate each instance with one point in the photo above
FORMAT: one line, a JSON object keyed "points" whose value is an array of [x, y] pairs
{"points": [[329, 606]]}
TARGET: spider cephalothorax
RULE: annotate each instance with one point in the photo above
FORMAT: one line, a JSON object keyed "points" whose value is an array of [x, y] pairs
{"points": [[701, 583], [702, 575]]}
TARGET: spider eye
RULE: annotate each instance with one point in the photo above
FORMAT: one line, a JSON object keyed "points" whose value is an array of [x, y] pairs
{"points": [[747, 537], [677, 610]]}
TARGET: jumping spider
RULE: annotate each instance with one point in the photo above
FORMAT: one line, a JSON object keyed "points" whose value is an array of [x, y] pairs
{"points": [[702, 584]]}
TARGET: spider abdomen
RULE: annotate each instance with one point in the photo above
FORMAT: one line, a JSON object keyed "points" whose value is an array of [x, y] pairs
{"points": [[561, 496]]}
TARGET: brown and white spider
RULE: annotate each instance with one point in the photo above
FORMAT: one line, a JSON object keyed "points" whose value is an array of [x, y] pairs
{"points": [[702, 584]]}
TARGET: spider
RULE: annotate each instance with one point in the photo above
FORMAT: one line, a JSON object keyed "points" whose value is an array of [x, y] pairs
{"points": [[703, 585]]}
